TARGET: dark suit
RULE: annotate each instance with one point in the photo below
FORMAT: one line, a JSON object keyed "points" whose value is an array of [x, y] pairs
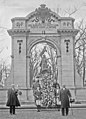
{"points": [[12, 100], [64, 95]]}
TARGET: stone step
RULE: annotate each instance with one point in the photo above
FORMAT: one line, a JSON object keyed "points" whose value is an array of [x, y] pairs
{"points": [[33, 106]]}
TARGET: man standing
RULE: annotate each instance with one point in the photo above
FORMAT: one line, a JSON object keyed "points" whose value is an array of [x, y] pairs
{"points": [[12, 99], [56, 87], [38, 98], [64, 95], [35, 85]]}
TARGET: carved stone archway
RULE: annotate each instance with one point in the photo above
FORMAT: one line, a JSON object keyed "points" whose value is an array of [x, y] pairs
{"points": [[53, 45], [42, 25]]}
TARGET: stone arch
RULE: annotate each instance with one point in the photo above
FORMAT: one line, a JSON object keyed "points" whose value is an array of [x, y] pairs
{"points": [[52, 43]]}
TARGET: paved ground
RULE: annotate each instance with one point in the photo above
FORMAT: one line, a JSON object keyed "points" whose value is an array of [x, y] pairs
{"points": [[44, 114]]}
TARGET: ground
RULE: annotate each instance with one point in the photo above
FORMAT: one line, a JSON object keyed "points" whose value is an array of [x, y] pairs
{"points": [[44, 114]]}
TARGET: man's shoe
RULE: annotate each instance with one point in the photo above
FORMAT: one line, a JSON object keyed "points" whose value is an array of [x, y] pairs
{"points": [[38, 110], [63, 114], [14, 114]]}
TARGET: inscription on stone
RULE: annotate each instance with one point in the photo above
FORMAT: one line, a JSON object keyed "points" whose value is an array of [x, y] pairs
{"points": [[39, 25], [19, 24]]}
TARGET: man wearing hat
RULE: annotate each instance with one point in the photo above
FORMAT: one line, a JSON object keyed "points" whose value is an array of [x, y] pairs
{"points": [[12, 99], [64, 95]]}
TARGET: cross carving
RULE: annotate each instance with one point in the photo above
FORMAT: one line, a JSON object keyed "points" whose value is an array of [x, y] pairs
{"points": [[67, 45], [19, 42]]}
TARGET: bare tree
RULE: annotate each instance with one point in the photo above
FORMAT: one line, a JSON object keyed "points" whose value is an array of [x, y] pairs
{"points": [[80, 49], [4, 73], [70, 11]]}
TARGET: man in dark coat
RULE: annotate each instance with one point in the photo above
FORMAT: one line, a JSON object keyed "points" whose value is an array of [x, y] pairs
{"points": [[64, 95], [12, 99]]}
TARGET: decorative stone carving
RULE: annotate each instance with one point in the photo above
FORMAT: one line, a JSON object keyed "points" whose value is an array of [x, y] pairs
{"points": [[66, 24], [43, 18], [20, 43], [67, 45], [19, 24], [43, 13]]}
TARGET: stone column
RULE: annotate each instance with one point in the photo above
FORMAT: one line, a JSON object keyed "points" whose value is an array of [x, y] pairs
{"points": [[67, 60], [27, 77], [28, 71]]}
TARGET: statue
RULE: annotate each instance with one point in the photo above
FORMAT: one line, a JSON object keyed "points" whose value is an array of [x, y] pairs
{"points": [[44, 64]]}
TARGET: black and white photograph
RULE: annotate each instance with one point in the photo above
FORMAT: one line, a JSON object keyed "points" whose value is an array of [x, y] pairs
{"points": [[42, 59]]}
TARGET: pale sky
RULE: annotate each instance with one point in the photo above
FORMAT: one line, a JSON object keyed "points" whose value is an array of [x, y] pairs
{"points": [[21, 8]]}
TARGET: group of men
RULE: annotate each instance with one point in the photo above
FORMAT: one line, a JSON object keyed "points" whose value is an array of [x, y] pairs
{"points": [[64, 97]]}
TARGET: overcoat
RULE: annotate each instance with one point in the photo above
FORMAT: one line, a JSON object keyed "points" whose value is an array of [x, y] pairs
{"points": [[64, 98], [12, 98]]}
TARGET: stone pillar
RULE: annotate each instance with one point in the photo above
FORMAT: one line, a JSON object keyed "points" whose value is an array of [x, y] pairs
{"points": [[27, 77], [67, 61], [20, 61], [59, 70], [27, 71]]}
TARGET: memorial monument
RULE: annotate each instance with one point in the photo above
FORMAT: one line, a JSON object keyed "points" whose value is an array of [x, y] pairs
{"points": [[42, 26]]}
